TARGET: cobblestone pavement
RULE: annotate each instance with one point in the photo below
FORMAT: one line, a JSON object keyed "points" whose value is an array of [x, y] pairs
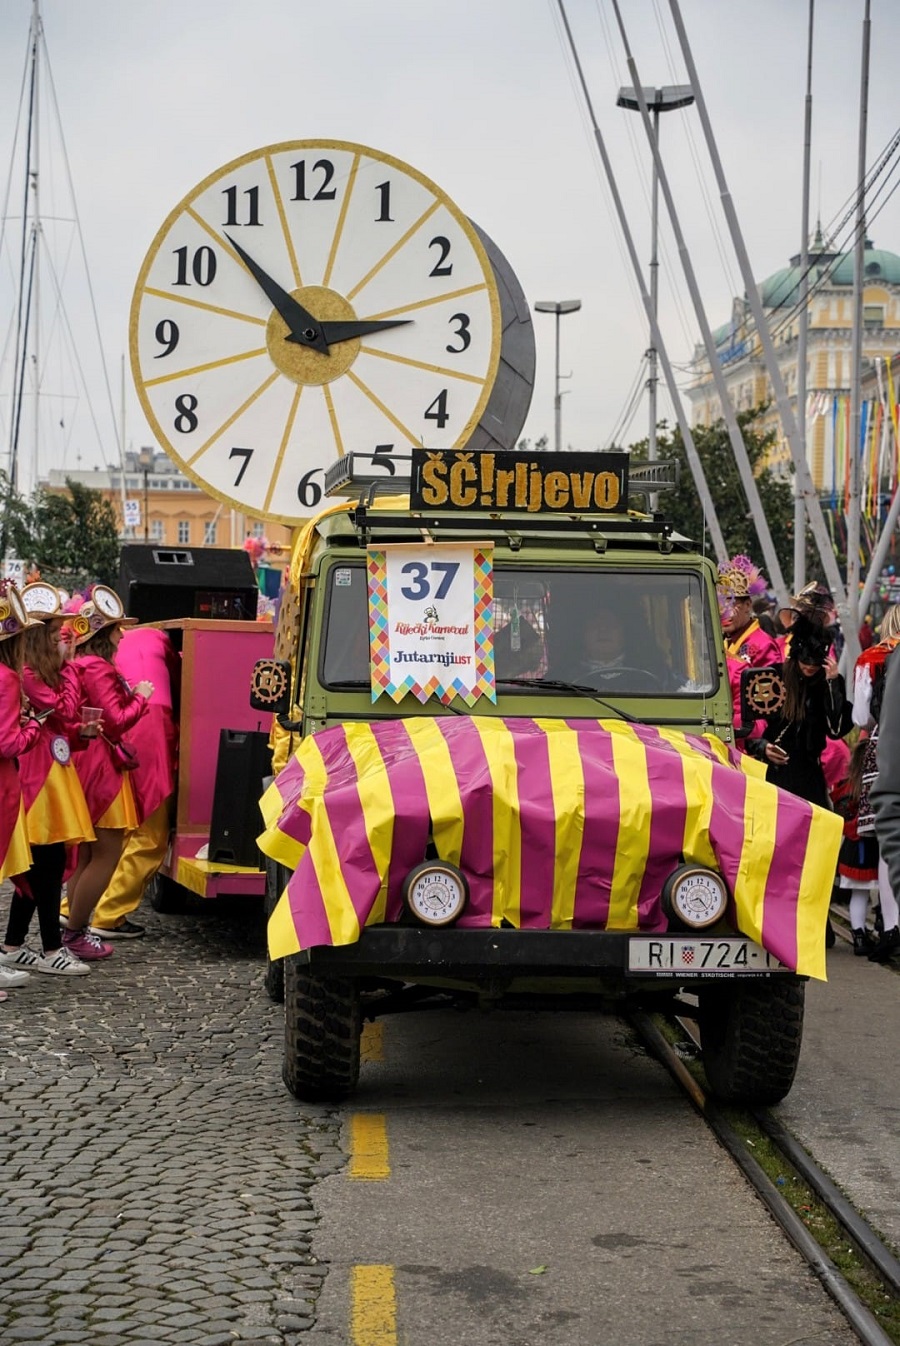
{"points": [[157, 1175]]}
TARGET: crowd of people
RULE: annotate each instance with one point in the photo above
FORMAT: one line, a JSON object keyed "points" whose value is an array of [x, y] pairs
{"points": [[795, 715], [87, 774]]}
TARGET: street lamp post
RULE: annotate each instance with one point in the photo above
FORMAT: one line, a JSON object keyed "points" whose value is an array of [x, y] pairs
{"points": [[559, 307], [667, 99]]}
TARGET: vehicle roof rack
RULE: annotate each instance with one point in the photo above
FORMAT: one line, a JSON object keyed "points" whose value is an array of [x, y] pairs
{"points": [[370, 523]]}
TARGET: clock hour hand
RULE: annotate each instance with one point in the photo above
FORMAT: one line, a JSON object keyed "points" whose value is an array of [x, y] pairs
{"points": [[346, 331], [304, 328]]}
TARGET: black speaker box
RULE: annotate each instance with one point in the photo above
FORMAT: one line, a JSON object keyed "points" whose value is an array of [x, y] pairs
{"points": [[158, 584], [244, 761]]}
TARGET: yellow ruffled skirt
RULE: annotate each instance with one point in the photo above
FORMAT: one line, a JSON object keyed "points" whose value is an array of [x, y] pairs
{"points": [[18, 853], [122, 811], [60, 811]]}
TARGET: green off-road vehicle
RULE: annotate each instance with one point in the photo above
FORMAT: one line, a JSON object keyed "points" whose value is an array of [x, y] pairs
{"points": [[576, 841]]}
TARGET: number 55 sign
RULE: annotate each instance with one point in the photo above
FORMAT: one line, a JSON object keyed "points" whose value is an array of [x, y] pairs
{"points": [[430, 626]]}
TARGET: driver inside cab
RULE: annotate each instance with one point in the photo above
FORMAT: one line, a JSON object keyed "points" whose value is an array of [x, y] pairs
{"points": [[609, 658]]}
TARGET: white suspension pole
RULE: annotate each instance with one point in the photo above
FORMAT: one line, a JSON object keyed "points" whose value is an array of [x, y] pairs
{"points": [[803, 317], [855, 448], [785, 410], [739, 448], [709, 509]]}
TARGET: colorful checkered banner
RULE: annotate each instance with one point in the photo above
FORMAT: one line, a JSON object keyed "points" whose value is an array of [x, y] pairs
{"points": [[430, 624], [557, 825]]}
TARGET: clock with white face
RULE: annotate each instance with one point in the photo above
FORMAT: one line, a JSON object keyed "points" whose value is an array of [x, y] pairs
{"points": [[309, 299], [106, 601]]}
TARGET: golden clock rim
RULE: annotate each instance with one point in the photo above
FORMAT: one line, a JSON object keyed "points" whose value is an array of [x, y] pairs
{"points": [[279, 147]]}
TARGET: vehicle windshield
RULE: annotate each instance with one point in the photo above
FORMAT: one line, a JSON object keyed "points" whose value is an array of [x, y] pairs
{"points": [[620, 632]]}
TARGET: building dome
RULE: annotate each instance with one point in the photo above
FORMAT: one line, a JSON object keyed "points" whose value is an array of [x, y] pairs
{"points": [[782, 288], [878, 265]]}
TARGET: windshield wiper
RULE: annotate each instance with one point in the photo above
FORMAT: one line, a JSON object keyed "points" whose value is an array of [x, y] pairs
{"points": [[556, 685]]}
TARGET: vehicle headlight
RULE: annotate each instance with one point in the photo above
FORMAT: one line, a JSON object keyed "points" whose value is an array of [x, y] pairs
{"points": [[435, 892], [695, 896]]}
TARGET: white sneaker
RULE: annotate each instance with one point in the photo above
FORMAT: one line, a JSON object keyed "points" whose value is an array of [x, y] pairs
{"points": [[8, 978], [18, 958], [60, 963]]}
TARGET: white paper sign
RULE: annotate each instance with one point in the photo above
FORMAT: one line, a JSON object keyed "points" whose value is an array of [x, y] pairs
{"points": [[14, 569], [132, 513], [430, 622]]}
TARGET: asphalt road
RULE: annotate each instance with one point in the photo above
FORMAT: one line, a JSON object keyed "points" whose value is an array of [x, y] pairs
{"points": [[515, 1179]]}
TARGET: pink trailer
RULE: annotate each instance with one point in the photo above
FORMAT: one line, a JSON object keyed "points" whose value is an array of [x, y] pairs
{"points": [[217, 661]]}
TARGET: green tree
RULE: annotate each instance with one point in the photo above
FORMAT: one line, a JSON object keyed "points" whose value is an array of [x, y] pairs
{"points": [[70, 536], [683, 505]]}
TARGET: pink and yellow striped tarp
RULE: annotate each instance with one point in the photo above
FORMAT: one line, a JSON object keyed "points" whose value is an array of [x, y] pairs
{"points": [[556, 824]]}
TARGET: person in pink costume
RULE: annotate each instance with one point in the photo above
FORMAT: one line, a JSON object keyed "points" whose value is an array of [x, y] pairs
{"points": [[747, 645], [107, 788], [56, 812], [146, 653], [19, 732]]}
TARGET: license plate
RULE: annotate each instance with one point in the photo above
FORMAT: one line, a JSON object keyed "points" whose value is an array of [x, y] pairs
{"points": [[707, 958]]}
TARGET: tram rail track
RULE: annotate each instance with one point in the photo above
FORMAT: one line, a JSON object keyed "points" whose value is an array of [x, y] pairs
{"points": [[870, 1248]]}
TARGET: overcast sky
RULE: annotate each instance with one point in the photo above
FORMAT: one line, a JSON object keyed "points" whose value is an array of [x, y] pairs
{"points": [[479, 95]]}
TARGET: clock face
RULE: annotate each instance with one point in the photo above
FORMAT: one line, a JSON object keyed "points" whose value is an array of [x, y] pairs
{"points": [[699, 898], [41, 599], [106, 601], [306, 300]]}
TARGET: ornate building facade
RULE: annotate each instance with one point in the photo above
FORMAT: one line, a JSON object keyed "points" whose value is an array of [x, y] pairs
{"points": [[829, 343]]}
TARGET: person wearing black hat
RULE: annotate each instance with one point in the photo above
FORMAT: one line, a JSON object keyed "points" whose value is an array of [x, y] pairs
{"points": [[814, 709]]}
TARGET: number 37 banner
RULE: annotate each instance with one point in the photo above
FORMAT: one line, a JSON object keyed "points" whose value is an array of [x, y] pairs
{"points": [[430, 621]]}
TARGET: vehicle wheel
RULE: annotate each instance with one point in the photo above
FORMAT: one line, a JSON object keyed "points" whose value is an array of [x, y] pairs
{"points": [[165, 895], [750, 1037], [276, 878], [322, 1026]]}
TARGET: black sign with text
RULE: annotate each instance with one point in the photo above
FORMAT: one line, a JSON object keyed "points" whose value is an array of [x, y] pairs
{"points": [[527, 483]]}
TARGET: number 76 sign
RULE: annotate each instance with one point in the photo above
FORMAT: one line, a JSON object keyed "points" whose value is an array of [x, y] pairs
{"points": [[430, 621]]}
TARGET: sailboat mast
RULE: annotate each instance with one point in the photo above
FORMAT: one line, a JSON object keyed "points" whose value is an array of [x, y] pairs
{"points": [[26, 268], [36, 236]]}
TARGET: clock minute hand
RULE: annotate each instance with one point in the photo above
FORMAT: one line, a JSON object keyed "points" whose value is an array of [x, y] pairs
{"points": [[346, 331], [304, 328]]}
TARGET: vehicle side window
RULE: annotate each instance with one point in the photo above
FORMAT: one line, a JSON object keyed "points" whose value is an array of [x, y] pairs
{"points": [[345, 637]]}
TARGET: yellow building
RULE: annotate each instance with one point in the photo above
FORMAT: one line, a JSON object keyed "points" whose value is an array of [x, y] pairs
{"points": [[164, 506], [829, 343]]}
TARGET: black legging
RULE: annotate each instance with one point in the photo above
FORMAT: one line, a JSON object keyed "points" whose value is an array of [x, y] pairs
{"points": [[45, 882]]}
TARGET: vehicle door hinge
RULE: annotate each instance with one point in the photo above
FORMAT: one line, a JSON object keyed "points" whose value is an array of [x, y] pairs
{"points": [[316, 706]]}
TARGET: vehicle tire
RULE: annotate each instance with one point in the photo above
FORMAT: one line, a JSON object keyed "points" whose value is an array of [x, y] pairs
{"points": [[322, 1026], [165, 895], [750, 1037], [276, 878]]}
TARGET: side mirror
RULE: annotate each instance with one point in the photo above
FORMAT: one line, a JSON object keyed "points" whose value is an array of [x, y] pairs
{"points": [[270, 686]]}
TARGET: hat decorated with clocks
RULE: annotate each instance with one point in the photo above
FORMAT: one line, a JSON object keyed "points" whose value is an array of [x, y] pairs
{"points": [[42, 601], [13, 615], [102, 609]]}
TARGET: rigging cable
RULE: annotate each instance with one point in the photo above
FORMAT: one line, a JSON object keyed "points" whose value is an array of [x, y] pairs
{"points": [[626, 415], [116, 436], [711, 213], [669, 269]]}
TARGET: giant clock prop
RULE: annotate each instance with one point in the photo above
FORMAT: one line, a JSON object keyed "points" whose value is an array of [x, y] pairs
{"points": [[317, 297]]}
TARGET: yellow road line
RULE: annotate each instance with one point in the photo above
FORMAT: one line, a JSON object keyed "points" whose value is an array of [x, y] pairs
{"points": [[369, 1146], [374, 1306], [371, 1046]]}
